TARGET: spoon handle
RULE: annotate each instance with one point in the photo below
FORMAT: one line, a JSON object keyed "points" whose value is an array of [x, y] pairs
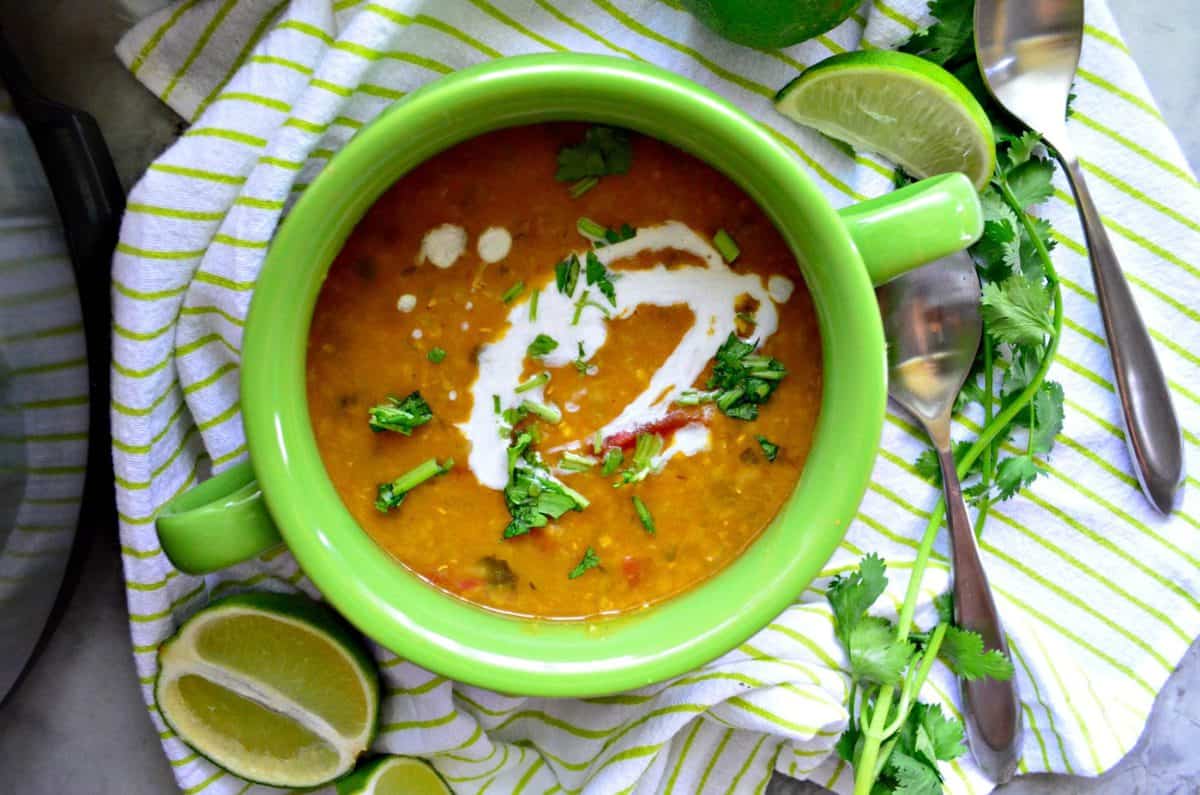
{"points": [[991, 707], [1152, 431]]}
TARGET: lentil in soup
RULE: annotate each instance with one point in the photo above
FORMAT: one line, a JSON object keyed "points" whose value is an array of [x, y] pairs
{"points": [[602, 388]]}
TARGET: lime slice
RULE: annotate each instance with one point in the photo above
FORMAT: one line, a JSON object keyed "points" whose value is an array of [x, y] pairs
{"points": [[771, 24], [393, 775], [274, 688], [911, 111]]}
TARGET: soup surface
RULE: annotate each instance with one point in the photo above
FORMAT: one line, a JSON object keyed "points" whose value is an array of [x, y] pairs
{"points": [[624, 415]]}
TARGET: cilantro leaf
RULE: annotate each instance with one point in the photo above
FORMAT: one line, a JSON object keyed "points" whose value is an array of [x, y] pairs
{"points": [[947, 39], [1017, 311], [927, 465], [1031, 260], [962, 650], [876, 655], [769, 448], [945, 734], [851, 595], [1021, 148], [944, 604], [623, 232], [1048, 413], [590, 560], [848, 744], [912, 776], [597, 275], [541, 345], [1030, 182], [566, 275], [400, 415], [436, 355], [1014, 474], [604, 151]]}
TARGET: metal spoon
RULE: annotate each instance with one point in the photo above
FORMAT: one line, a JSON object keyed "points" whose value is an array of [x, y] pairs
{"points": [[1028, 51], [933, 328]]}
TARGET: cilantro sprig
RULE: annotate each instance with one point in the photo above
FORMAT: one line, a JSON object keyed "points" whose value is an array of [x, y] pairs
{"points": [[401, 415], [901, 746], [389, 495]]}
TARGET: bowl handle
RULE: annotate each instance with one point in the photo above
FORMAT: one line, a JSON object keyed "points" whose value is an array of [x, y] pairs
{"points": [[914, 225], [221, 522]]}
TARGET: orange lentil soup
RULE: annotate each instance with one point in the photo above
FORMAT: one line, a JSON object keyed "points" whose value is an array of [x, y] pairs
{"points": [[611, 485]]}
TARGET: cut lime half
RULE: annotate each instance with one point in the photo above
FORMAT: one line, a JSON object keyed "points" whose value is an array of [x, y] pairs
{"points": [[274, 688], [910, 111], [393, 775]]}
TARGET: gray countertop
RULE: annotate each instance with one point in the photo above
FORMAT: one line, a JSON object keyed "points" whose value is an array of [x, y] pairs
{"points": [[78, 724]]}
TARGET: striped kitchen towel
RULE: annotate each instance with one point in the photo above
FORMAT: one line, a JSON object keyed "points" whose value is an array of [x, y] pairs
{"points": [[1099, 594]]}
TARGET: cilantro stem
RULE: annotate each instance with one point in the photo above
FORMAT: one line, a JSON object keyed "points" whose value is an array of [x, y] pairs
{"points": [[590, 229], [868, 759], [990, 452], [533, 383], [549, 414], [512, 292]]}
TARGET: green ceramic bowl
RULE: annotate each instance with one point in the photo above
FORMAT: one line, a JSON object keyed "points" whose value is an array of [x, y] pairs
{"points": [[223, 521]]}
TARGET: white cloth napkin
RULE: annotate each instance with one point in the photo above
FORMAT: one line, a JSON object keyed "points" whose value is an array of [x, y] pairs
{"points": [[1098, 593]]}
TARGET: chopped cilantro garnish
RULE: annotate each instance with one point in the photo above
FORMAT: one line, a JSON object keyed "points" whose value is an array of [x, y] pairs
{"points": [[549, 414], [612, 461], [744, 381], [573, 462], [436, 355], [648, 446], [597, 275], [533, 495], [541, 345], [581, 362], [590, 229], [624, 232], [533, 304], [644, 515], [590, 560], [566, 275], [401, 416], [533, 383], [583, 186], [393, 493], [770, 449], [583, 302], [512, 292], [694, 397], [604, 151], [726, 245], [601, 235]]}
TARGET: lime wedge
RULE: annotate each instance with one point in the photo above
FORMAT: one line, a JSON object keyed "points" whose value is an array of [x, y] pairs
{"points": [[911, 111], [393, 775], [274, 688]]}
